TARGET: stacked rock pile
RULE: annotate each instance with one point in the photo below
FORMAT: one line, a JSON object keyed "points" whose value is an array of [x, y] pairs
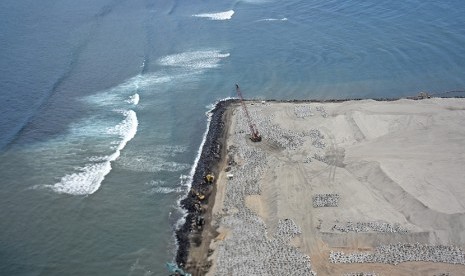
{"points": [[318, 143], [247, 250], [317, 138], [325, 200], [285, 138], [302, 111], [403, 252], [372, 226], [287, 229], [322, 111]]}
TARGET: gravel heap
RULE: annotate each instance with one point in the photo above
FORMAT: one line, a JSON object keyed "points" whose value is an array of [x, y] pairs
{"points": [[403, 252], [372, 226], [322, 111], [317, 138], [287, 229], [325, 200], [302, 111]]}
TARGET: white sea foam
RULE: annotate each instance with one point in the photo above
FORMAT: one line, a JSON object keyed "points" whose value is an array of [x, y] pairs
{"points": [[166, 190], [147, 80], [273, 19], [93, 126], [226, 15], [84, 182], [170, 150], [128, 91], [152, 164], [127, 129], [199, 151], [154, 159], [160, 187], [184, 180], [134, 99], [88, 179], [156, 183], [194, 59]]}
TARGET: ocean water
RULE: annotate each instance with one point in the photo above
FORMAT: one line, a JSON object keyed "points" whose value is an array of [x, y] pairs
{"points": [[104, 103]]}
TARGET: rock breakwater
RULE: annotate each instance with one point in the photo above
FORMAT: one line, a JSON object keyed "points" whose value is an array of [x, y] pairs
{"points": [[209, 158]]}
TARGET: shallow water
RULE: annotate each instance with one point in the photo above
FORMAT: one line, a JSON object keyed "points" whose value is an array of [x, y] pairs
{"points": [[103, 106]]}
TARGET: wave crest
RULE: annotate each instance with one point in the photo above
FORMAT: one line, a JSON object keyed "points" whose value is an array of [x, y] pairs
{"points": [[194, 59], [226, 15], [89, 178]]}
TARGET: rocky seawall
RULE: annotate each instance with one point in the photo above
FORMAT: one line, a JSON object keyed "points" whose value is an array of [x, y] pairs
{"points": [[209, 158]]}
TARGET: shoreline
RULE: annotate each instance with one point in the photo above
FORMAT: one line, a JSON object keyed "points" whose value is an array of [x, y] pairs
{"points": [[210, 157], [213, 156]]}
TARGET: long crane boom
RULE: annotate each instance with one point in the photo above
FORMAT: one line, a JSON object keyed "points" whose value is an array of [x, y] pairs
{"points": [[255, 135]]}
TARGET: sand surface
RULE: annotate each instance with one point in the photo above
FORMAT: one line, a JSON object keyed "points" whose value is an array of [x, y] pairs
{"points": [[397, 168]]}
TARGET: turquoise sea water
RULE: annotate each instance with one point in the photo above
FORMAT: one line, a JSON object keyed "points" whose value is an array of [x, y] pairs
{"points": [[103, 105]]}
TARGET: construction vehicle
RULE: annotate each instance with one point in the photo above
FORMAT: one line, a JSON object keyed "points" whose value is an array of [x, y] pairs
{"points": [[210, 178], [175, 270], [199, 196], [254, 134]]}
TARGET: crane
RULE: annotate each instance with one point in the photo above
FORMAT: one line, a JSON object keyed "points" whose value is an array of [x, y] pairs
{"points": [[255, 136]]}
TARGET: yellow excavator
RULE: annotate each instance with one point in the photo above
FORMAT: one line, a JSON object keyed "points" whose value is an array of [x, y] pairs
{"points": [[200, 196], [209, 178]]}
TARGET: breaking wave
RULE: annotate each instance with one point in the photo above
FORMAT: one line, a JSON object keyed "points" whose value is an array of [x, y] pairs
{"points": [[127, 91], [134, 99], [194, 59], [87, 179], [226, 15]]}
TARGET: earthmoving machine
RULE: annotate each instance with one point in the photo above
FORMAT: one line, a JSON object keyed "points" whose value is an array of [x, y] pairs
{"points": [[199, 195], [209, 178], [254, 135]]}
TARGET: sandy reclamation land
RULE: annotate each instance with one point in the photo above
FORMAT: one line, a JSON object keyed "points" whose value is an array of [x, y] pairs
{"points": [[342, 188]]}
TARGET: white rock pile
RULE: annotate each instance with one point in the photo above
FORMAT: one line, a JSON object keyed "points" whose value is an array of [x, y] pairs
{"points": [[403, 252], [325, 200], [372, 226], [317, 138], [287, 229], [302, 111], [322, 111]]}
